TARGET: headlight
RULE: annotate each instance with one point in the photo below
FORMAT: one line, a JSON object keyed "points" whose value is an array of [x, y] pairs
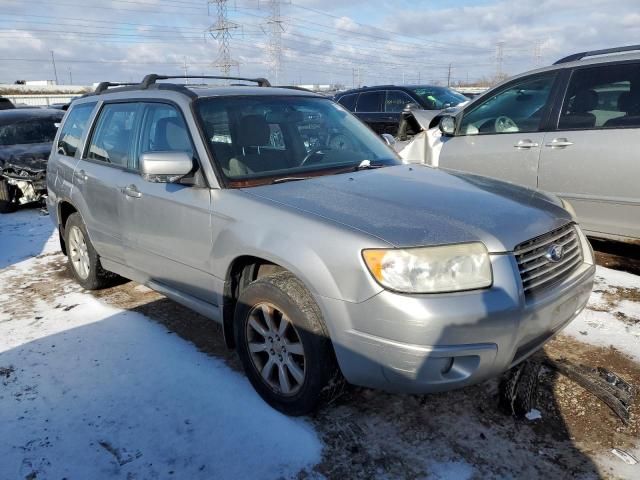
{"points": [[569, 208], [446, 268]]}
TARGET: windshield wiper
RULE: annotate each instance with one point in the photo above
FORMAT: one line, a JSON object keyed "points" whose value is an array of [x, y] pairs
{"points": [[288, 179]]}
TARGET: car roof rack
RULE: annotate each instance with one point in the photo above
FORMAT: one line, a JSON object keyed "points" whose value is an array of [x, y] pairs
{"points": [[605, 51], [152, 78], [102, 86]]}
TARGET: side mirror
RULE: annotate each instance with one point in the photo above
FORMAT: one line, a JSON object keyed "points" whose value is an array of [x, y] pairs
{"points": [[165, 167], [447, 125], [388, 139]]}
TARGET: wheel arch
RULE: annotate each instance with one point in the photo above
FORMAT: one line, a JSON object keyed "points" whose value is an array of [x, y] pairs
{"points": [[65, 210], [241, 272]]}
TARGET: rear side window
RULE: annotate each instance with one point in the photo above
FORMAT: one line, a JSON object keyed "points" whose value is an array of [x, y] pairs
{"points": [[348, 101], [606, 96], [370, 102], [73, 129], [163, 130], [31, 130], [112, 139]]}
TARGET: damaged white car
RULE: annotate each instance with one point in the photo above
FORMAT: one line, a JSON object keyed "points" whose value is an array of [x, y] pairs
{"points": [[26, 136]]}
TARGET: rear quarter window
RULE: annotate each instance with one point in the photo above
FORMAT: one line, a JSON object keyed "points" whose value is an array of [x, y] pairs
{"points": [[348, 101]]}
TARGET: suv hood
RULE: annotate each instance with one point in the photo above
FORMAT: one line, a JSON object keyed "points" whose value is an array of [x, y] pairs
{"points": [[415, 205]]}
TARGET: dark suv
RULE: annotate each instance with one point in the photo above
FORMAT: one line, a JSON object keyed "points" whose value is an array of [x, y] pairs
{"points": [[380, 107]]}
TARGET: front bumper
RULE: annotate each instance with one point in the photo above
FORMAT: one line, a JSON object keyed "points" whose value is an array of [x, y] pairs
{"points": [[431, 343]]}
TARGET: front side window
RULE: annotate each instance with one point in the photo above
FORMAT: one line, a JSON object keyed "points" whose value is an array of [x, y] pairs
{"points": [[163, 130], [74, 128], [286, 136], [29, 130], [606, 96], [518, 108], [113, 138], [438, 98], [396, 101], [370, 102]]}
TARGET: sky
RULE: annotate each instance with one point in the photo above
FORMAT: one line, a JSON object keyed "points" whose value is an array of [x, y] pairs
{"points": [[322, 41]]}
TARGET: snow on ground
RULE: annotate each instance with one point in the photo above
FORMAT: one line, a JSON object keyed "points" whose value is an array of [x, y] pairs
{"points": [[25, 234], [90, 391], [612, 316]]}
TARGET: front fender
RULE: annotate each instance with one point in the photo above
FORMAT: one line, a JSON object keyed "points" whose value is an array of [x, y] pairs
{"points": [[324, 255]]}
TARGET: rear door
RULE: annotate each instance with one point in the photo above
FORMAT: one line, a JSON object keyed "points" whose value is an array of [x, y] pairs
{"points": [[593, 157], [167, 226], [100, 172], [370, 109], [501, 136], [66, 152]]}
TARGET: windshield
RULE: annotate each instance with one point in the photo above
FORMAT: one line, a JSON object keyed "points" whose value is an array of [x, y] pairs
{"points": [[36, 130], [437, 98], [266, 137]]}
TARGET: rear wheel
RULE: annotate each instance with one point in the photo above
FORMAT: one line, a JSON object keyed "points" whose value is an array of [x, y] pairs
{"points": [[284, 346], [8, 200], [84, 262]]}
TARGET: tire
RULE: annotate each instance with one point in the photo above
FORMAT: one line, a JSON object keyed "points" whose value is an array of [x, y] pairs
{"points": [[8, 202], [519, 388], [79, 247], [285, 298]]}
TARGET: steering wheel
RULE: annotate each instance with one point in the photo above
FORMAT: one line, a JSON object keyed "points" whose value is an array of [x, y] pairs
{"points": [[314, 152], [340, 141], [505, 124]]}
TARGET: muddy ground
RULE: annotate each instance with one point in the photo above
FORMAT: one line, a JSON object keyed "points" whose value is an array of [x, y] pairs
{"points": [[372, 434]]}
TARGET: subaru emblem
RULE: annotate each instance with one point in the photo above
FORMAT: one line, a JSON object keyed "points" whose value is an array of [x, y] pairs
{"points": [[554, 254]]}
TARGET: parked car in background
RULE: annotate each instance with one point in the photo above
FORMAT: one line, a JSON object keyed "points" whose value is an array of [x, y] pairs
{"points": [[277, 213], [6, 104], [380, 107], [572, 128], [26, 136]]}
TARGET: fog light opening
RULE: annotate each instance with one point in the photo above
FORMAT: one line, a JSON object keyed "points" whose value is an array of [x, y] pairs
{"points": [[447, 366]]}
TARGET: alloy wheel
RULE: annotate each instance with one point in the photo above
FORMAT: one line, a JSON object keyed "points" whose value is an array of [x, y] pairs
{"points": [[276, 349], [78, 253]]}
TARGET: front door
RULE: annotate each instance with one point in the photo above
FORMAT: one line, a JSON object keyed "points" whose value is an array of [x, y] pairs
{"points": [[501, 136], [593, 158], [167, 226]]}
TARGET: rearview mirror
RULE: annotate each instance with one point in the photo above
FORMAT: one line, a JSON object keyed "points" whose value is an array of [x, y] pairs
{"points": [[165, 167], [447, 125], [389, 139]]}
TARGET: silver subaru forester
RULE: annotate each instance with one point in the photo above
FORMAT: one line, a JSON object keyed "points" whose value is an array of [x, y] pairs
{"points": [[280, 215]]}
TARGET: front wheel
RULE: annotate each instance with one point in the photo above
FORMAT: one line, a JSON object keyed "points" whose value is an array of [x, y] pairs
{"points": [[284, 346]]}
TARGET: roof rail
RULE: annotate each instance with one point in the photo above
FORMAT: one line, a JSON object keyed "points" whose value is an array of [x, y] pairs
{"points": [[605, 51], [152, 78], [102, 86]]}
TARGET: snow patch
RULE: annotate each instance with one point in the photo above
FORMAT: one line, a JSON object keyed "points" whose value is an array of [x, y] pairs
{"points": [[91, 391], [533, 414]]}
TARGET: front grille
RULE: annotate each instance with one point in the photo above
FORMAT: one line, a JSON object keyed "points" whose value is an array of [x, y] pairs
{"points": [[536, 270]]}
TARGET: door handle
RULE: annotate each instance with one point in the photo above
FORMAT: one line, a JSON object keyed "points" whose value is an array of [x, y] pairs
{"points": [[526, 143], [559, 143], [81, 176], [131, 191]]}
